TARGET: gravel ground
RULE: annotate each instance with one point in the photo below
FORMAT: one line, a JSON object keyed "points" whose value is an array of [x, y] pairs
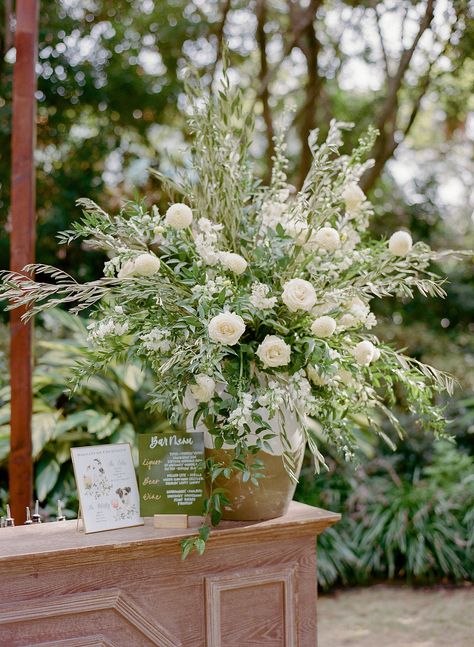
{"points": [[383, 616]]}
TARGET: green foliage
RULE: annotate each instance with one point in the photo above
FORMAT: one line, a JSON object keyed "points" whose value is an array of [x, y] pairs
{"points": [[400, 521], [110, 408]]}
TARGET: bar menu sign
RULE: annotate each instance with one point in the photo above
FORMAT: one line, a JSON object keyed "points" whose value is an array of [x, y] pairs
{"points": [[170, 473]]}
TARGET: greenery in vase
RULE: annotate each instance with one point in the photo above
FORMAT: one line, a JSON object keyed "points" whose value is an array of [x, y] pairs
{"points": [[247, 300]]}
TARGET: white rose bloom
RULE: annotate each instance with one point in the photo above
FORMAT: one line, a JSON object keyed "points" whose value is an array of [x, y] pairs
{"points": [[327, 238], [127, 270], [353, 197], [233, 262], [273, 352], [400, 243], [204, 388], [226, 328], [323, 326], [146, 265], [179, 216], [298, 294], [364, 352]]}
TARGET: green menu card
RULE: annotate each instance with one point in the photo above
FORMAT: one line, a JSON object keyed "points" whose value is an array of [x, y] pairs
{"points": [[170, 473]]}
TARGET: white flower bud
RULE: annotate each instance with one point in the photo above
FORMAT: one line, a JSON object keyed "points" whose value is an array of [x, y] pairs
{"points": [[353, 197], [179, 216], [400, 243], [327, 238], [323, 326], [364, 352], [233, 262], [146, 265]]}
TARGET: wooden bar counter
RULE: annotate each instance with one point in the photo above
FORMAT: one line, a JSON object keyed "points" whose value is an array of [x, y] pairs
{"points": [[255, 586]]}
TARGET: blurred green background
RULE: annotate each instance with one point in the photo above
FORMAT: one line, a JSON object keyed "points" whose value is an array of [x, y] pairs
{"points": [[111, 105]]}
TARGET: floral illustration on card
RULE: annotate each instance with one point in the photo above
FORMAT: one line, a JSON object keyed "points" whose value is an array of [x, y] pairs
{"points": [[96, 482]]}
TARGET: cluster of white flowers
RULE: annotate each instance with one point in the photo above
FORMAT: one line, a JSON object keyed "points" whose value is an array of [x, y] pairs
{"points": [[259, 297], [274, 211], [242, 414], [272, 398], [206, 240], [99, 330], [212, 287], [157, 340], [357, 313], [300, 395]]}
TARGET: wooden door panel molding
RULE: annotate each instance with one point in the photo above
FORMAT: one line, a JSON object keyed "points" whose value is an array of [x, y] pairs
{"points": [[278, 584], [91, 601], [86, 641]]}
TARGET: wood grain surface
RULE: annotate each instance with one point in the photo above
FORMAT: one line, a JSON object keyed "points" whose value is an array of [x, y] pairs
{"points": [[22, 252], [255, 586]]}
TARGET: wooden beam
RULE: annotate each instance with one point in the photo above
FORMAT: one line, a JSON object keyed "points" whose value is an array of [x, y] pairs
{"points": [[22, 248]]}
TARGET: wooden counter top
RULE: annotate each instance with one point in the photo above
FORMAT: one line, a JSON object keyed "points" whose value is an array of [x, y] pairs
{"points": [[62, 541]]}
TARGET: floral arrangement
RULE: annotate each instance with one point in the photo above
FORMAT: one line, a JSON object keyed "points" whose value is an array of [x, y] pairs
{"points": [[245, 298]]}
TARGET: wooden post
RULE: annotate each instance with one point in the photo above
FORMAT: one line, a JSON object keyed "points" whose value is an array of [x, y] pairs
{"points": [[22, 246]]}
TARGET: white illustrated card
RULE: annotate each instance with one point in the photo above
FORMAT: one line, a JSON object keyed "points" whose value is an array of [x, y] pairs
{"points": [[107, 487]]}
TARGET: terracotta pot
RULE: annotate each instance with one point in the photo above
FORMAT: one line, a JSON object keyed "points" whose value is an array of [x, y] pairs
{"points": [[274, 492], [267, 500]]}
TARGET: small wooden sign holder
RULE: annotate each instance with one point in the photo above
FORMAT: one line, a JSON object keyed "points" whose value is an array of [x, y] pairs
{"points": [[170, 521]]}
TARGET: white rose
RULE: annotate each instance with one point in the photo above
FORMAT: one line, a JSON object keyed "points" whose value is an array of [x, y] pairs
{"points": [[274, 351], [298, 294], [400, 243], [353, 197], [226, 328], [233, 262], [364, 352], [179, 216], [376, 354], [127, 270], [323, 326], [327, 238], [146, 265], [204, 388]]}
